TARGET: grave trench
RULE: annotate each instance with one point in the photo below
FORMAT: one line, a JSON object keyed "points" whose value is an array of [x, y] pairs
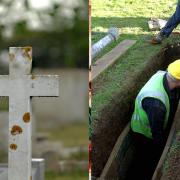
{"points": [[115, 116]]}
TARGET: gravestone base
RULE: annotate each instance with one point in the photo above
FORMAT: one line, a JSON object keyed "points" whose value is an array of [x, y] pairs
{"points": [[37, 170]]}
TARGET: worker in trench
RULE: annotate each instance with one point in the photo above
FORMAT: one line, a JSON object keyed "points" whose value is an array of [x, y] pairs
{"points": [[171, 24], [155, 108]]}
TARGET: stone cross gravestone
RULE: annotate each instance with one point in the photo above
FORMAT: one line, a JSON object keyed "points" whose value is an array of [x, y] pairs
{"points": [[20, 86]]}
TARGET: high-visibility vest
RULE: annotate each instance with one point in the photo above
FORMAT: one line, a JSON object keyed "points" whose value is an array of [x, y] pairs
{"points": [[153, 88]]}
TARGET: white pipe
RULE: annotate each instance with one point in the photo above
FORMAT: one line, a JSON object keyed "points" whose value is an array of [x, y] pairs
{"points": [[112, 35]]}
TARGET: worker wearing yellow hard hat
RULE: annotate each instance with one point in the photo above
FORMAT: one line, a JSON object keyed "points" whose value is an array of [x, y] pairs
{"points": [[174, 69], [154, 111]]}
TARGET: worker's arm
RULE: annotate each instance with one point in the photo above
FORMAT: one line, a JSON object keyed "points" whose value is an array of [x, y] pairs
{"points": [[156, 111]]}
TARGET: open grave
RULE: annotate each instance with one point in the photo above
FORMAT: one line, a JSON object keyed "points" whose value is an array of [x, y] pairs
{"points": [[115, 116]]}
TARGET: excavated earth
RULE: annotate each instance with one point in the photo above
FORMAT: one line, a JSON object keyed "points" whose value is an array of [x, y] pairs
{"points": [[171, 167], [117, 113]]}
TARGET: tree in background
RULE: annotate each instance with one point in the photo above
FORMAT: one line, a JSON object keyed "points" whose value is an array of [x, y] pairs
{"points": [[57, 30]]}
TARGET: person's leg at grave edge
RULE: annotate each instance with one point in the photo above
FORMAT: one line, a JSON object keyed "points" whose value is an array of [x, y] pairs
{"points": [[172, 23]]}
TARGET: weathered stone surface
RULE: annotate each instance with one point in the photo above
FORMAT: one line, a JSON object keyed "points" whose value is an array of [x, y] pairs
{"points": [[74, 99], [37, 170], [4, 130], [43, 147], [156, 24], [20, 86], [51, 161]]}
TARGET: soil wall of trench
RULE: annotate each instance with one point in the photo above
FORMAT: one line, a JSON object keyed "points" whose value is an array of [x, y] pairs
{"points": [[115, 115], [171, 165]]}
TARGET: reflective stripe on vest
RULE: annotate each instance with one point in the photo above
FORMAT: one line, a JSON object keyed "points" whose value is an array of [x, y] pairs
{"points": [[153, 88]]}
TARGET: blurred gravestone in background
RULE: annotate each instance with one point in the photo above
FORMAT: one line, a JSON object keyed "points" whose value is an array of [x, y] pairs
{"points": [[71, 106], [58, 33]]}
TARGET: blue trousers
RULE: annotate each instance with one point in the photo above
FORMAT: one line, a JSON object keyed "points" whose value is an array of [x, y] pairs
{"points": [[173, 21]]}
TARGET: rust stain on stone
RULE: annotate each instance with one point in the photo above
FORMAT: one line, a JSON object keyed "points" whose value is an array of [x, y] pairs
{"points": [[33, 76], [26, 117], [16, 130], [11, 56], [13, 146], [27, 52]]}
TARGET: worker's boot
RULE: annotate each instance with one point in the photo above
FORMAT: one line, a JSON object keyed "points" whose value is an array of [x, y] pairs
{"points": [[158, 39]]}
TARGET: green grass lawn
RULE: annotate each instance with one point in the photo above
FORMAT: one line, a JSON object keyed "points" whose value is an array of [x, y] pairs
{"points": [[76, 175], [131, 17], [72, 134]]}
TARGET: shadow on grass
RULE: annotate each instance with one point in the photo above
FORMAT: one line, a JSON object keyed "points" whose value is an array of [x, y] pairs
{"points": [[120, 22]]}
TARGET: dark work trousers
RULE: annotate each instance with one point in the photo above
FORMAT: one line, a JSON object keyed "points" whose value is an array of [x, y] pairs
{"points": [[172, 22], [146, 158]]}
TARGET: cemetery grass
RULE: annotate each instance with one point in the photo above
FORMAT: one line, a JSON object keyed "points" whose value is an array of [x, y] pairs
{"points": [[75, 175], [72, 134], [131, 17]]}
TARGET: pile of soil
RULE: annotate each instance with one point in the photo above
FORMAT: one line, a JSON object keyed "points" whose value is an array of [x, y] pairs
{"points": [[115, 115], [171, 167]]}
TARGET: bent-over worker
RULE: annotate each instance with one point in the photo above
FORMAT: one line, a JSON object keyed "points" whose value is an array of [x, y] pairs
{"points": [[155, 108]]}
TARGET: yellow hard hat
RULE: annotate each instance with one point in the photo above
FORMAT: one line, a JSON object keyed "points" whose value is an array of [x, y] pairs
{"points": [[174, 69]]}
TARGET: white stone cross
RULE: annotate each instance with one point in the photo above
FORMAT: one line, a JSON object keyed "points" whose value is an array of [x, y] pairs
{"points": [[20, 86]]}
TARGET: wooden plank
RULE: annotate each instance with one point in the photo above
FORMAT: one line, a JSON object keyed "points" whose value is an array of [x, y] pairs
{"points": [[158, 172], [118, 162], [108, 59]]}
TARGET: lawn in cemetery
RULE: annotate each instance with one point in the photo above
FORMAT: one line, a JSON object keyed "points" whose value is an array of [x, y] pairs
{"points": [[77, 130], [75, 175], [131, 17], [73, 134]]}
